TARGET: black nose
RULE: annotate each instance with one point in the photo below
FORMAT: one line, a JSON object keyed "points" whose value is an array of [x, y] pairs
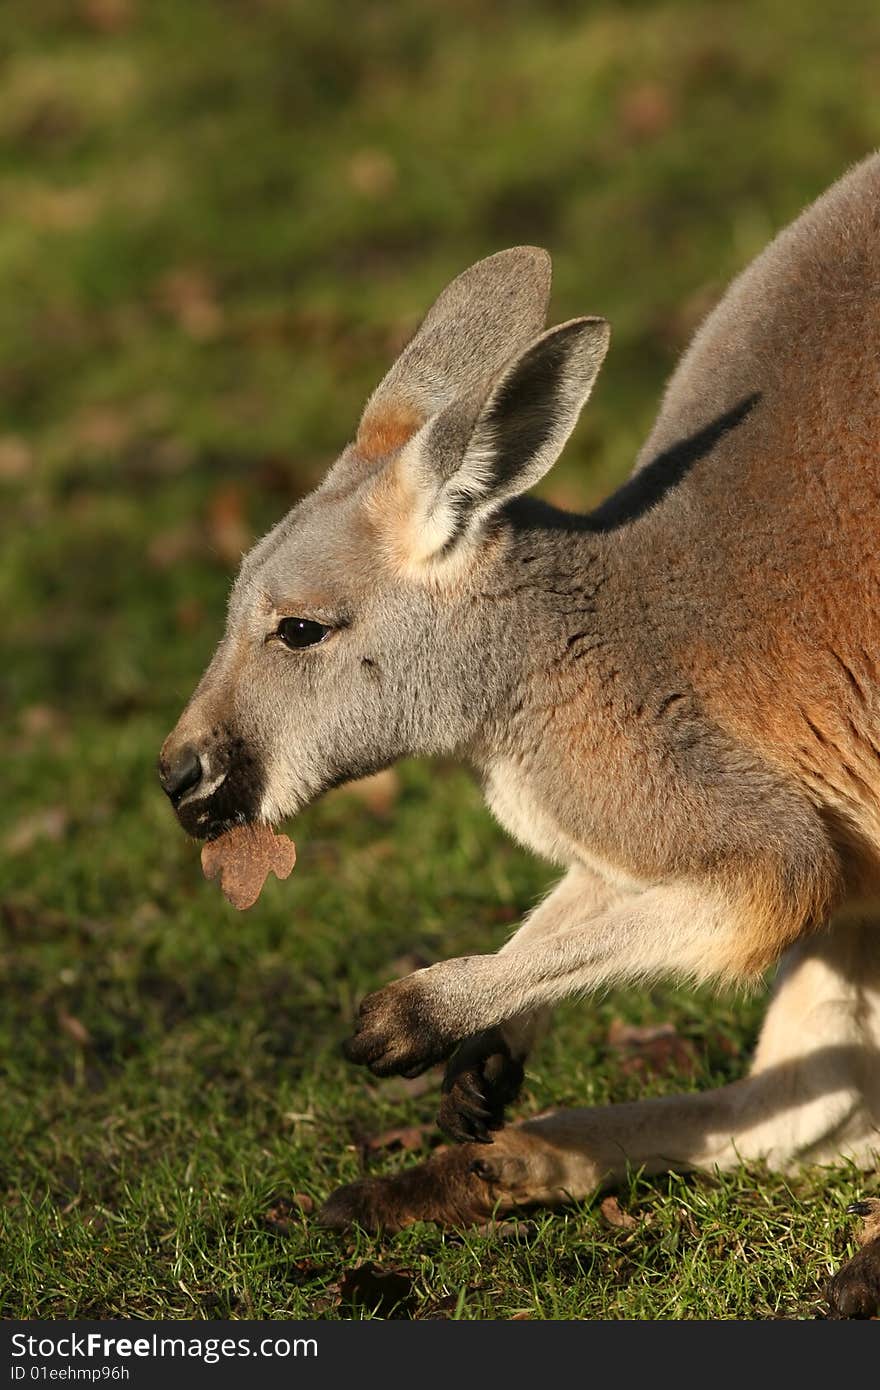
{"points": [[181, 775]]}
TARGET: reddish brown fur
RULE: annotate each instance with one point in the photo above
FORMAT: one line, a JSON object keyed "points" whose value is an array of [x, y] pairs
{"points": [[854, 1292], [444, 1189], [386, 428]]}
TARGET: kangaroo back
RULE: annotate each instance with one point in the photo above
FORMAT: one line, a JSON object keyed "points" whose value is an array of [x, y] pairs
{"points": [[795, 330], [772, 420]]}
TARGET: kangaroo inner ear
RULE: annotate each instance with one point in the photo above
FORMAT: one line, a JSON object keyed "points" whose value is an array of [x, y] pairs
{"points": [[471, 460], [533, 409]]}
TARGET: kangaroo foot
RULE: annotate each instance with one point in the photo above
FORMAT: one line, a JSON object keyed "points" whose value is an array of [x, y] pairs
{"points": [[455, 1187]]}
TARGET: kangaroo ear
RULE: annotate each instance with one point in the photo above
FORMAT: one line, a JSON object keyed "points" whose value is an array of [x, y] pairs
{"points": [[485, 449], [484, 316]]}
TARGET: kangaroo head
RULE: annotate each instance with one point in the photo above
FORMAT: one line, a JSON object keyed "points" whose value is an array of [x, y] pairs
{"points": [[357, 633]]}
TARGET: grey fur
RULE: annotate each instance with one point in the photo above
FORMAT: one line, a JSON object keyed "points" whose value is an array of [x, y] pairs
{"points": [[473, 328]]}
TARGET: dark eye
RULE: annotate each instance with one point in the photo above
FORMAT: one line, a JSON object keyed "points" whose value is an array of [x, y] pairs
{"points": [[301, 632]]}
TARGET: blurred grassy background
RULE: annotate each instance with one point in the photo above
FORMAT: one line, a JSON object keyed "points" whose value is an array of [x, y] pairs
{"points": [[218, 222]]}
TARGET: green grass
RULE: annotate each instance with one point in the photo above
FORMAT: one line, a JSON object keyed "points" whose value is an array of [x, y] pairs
{"points": [[218, 222]]}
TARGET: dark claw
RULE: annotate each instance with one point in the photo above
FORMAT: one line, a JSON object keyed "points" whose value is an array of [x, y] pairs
{"points": [[481, 1080], [464, 1129], [472, 1098], [464, 1114]]}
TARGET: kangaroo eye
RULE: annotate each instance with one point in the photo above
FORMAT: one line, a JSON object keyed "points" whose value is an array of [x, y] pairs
{"points": [[301, 632]]}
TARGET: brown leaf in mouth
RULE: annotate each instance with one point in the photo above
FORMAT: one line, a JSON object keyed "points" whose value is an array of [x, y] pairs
{"points": [[243, 858]]}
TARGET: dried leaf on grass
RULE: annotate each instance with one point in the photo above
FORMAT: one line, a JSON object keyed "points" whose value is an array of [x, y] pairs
{"points": [[385, 1292], [190, 614], [107, 16], [75, 1030], [288, 1212], [171, 547], [646, 111], [615, 1216], [520, 1231], [40, 721], [408, 1138], [686, 1219], [16, 458], [652, 1050], [228, 531], [101, 429], [372, 173], [48, 824], [189, 296]]}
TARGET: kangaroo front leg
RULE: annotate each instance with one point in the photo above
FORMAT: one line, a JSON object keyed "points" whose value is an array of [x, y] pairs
{"points": [[812, 1096], [729, 928], [402, 1028], [486, 1071]]}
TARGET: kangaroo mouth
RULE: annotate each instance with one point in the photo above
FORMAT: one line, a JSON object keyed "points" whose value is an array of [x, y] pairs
{"points": [[233, 797], [208, 820]]}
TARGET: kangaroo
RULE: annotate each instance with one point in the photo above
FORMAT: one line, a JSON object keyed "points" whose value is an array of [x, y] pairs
{"points": [[676, 699]]}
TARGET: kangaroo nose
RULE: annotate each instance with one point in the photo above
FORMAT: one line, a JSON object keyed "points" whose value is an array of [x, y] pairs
{"points": [[182, 774]]}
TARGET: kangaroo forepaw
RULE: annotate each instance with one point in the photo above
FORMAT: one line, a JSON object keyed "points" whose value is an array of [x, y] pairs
{"points": [[482, 1079], [399, 1030]]}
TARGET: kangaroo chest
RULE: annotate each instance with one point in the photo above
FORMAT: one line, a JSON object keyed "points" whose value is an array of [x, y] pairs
{"points": [[513, 803], [518, 806]]}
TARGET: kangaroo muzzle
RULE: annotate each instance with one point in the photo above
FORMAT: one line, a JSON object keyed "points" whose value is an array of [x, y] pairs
{"points": [[213, 782]]}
